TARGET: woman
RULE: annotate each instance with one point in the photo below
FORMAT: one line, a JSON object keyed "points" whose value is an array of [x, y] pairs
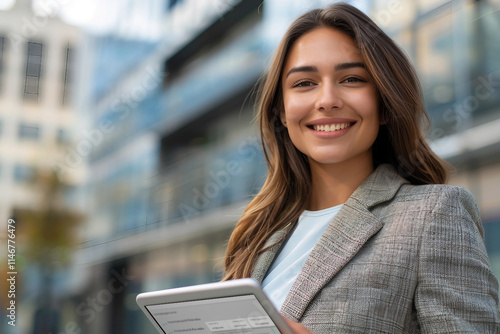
{"points": [[353, 230]]}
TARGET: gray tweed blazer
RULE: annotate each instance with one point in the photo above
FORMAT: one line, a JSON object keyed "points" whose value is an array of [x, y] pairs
{"points": [[397, 258]]}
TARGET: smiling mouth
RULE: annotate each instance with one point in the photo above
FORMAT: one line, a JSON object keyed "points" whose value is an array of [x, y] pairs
{"points": [[330, 127]]}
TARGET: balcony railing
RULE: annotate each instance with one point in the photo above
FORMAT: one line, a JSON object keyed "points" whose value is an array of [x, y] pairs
{"points": [[207, 180]]}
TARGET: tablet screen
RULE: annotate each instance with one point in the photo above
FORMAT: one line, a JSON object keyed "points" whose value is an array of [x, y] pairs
{"points": [[227, 315]]}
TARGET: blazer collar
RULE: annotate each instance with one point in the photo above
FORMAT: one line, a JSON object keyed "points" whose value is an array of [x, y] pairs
{"points": [[381, 186], [275, 242], [353, 225]]}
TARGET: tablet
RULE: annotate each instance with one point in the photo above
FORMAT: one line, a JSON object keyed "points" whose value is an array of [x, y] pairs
{"points": [[237, 306]]}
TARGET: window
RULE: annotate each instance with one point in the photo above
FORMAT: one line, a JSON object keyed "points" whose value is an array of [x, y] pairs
{"points": [[23, 173], [28, 132], [67, 80], [33, 71]]}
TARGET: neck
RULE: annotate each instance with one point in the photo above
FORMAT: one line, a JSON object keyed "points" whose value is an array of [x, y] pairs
{"points": [[333, 184]]}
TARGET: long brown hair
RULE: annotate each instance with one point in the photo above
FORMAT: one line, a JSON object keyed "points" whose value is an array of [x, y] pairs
{"points": [[400, 142]]}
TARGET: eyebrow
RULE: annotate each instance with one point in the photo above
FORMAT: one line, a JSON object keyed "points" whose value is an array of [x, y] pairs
{"points": [[308, 68], [311, 68], [345, 66]]}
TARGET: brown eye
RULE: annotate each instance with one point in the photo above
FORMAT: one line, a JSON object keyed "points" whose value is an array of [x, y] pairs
{"points": [[303, 83], [354, 80]]}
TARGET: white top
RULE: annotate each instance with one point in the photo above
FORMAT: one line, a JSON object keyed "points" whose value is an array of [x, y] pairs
{"points": [[293, 255]]}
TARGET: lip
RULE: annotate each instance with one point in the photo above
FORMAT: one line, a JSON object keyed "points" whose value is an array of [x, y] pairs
{"points": [[330, 134], [332, 120]]}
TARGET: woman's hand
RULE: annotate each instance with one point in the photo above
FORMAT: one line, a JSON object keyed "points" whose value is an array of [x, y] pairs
{"points": [[296, 327]]}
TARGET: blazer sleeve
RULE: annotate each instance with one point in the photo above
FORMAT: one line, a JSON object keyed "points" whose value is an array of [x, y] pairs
{"points": [[456, 289]]}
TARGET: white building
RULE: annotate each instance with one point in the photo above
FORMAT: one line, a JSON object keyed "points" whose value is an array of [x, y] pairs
{"points": [[42, 99]]}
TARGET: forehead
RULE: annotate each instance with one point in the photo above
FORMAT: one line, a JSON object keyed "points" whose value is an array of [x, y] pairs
{"points": [[322, 45]]}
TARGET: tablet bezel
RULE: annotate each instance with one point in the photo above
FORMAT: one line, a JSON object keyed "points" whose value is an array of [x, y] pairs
{"points": [[239, 287]]}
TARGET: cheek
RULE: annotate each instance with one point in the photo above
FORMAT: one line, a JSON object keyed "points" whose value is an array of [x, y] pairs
{"points": [[368, 107], [296, 107], [371, 115], [372, 124]]}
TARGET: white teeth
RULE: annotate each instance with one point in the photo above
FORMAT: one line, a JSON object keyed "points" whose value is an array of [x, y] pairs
{"points": [[331, 127]]}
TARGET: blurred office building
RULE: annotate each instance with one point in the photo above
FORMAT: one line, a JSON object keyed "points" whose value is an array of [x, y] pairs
{"points": [[179, 155], [42, 92], [42, 95]]}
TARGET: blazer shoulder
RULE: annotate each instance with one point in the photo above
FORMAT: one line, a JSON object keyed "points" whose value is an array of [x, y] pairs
{"points": [[443, 191], [442, 197]]}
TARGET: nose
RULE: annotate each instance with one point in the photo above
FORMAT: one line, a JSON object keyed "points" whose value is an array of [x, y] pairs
{"points": [[328, 98]]}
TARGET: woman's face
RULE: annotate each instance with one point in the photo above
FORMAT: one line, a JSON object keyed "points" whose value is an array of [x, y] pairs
{"points": [[331, 105]]}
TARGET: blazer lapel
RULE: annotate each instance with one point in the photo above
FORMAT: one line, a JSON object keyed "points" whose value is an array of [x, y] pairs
{"points": [[353, 225], [267, 257]]}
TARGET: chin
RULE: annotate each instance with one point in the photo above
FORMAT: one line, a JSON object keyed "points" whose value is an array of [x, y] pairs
{"points": [[344, 158], [326, 160]]}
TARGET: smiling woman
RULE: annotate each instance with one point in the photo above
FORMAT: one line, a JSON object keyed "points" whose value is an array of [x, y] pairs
{"points": [[330, 108], [354, 230]]}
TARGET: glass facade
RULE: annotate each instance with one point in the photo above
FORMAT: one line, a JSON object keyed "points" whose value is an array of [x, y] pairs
{"points": [[434, 60], [120, 194], [114, 59], [213, 177], [484, 22]]}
